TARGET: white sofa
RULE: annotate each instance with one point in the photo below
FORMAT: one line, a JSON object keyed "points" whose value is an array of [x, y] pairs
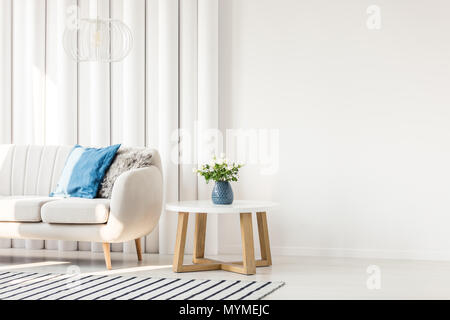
{"points": [[29, 173]]}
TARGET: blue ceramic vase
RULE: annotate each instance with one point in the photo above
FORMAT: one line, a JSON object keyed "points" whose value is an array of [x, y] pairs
{"points": [[222, 193]]}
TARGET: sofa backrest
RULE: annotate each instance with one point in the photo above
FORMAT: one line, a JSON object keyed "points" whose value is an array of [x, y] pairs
{"points": [[35, 170], [30, 170]]}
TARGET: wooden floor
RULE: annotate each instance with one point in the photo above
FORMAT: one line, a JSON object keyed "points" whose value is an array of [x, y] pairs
{"points": [[305, 277]]}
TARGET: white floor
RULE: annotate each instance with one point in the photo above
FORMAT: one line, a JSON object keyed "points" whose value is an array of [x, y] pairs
{"points": [[305, 277]]}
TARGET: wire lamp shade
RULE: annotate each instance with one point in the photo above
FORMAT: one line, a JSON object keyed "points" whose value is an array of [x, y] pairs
{"points": [[102, 40]]}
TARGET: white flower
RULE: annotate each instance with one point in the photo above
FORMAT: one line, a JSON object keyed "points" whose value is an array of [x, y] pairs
{"points": [[222, 155], [194, 170], [212, 163], [219, 161]]}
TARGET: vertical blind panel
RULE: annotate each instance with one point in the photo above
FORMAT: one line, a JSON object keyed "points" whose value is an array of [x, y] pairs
{"points": [[208, 97], [152, 66], [116, 83], [99, 103], [84, 90], [61, 79], [28, 71], [152, 103], [168, 113], [133, 80], [188, 104], [53, 129], [94, 88], [5, 72]]}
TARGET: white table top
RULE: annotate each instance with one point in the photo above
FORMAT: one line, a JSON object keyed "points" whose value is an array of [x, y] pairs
{"points": [[206, 206]]}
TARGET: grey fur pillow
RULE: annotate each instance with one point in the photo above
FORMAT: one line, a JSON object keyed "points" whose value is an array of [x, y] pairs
{"points": [[126, 159]]}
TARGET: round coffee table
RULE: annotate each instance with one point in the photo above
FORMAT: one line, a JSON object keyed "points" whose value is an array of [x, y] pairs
{"points": [[202, 208]]}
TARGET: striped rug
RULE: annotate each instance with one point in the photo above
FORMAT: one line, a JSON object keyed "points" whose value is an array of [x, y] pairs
{"points": [[51, 286]]}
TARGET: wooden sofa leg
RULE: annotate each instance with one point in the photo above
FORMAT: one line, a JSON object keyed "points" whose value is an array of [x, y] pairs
{"points": [[138, 248], [107, 254]]}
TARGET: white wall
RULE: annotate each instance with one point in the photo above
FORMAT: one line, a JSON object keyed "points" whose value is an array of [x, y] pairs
{"points": [[364, 122]]}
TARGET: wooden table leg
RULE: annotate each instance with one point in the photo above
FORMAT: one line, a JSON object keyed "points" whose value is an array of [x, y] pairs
{"points": [[107, 254], [264, 237], [180, 242], [247, 266], [199, 237], [248, 248], [138, 248]]}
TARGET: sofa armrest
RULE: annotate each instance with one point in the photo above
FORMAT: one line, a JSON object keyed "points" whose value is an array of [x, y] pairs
{"points": [[136, 204]]}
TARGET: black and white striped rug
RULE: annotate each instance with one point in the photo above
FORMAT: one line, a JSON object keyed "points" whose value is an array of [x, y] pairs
{"points": [[51, 286]]}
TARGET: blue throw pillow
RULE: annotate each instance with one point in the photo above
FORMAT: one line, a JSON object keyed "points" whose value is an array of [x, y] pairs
{"points": [[84, 171]]}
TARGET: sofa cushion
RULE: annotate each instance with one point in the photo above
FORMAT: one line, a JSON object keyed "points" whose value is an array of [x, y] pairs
{"points": [[84, 171], [126, 159], [22, 208], [76, 211]]}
